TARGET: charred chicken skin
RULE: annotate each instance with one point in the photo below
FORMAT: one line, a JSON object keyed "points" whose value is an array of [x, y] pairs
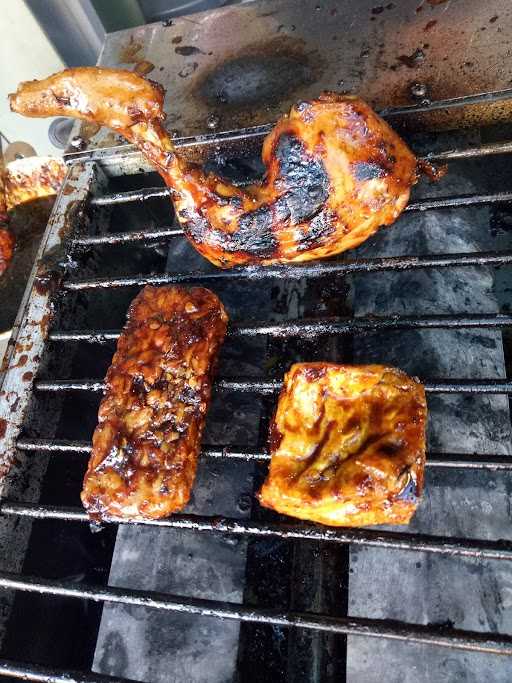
{"points": [[150, 421], [348, 445], [336, 172]]}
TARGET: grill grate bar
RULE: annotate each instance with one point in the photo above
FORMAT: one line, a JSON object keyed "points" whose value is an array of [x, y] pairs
{"points": [[459, 201], [146, 193], [34, 672], [310, 270], [311, 328], [450, 103], [166, 232], [269, 387], [449, 460], [480, 549], [356, 626], [127, 237], [472, 152], [130, 196]]}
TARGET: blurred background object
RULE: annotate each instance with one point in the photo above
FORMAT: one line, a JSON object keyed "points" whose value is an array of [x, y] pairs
{"points": [[30, 186], [40, 37]]}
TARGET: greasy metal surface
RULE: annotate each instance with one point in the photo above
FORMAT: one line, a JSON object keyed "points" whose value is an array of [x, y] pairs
{"points": [[420, 205], [441, 636], [314, 269], [454, 460], [469, 111], [312, 328], [31, 327], [465, 547], [267, 388], [245, 65], [21, 363], [41, 674]]}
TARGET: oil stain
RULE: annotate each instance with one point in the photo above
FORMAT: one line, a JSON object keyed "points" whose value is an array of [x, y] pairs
{"points": [[261, 74], [188, 50], [129, 54], [144, 67]]}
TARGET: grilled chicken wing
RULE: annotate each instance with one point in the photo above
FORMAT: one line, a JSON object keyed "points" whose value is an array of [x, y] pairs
{"points": [[335, 170], [151, 418], [348, 445]]}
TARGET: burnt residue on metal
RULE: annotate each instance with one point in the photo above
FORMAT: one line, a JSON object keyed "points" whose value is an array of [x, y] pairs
{"points": [[412, 60], [261, 73], [46, 281], [188, 50], [27, 222], [57, 262]]}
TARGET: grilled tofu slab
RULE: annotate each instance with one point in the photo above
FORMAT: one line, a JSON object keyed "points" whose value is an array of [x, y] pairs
{"points": [[348, 445]]}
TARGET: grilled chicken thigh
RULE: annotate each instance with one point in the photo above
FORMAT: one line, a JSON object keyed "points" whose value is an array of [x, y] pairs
{"points": [[147, 441], [335, 170], [348, 445]]}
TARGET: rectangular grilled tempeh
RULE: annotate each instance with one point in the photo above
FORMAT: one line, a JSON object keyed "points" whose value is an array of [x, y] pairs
{"points": [[150, 421]]}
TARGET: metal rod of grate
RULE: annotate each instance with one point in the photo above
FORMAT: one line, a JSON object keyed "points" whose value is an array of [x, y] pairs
{"points": [[42, 674], [493, 462], [480, 549], [450, 103], [269, 387], [319, 326], [455, 201], [440, 636], [311, 270], [230, 136], [150, 235], [490, 149]]}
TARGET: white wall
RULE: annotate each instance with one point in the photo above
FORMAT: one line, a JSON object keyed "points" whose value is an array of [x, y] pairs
{"points": [[25, 54]]}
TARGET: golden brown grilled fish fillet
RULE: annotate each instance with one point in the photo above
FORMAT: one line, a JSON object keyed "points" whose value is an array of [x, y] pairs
{"points": [[348, 445], [335, 170], [147, 441]]}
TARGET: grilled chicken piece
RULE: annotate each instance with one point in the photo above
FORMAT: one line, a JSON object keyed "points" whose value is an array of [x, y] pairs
{"points": [[147, 441], [335, 170], [6, 249], [348, 445]]}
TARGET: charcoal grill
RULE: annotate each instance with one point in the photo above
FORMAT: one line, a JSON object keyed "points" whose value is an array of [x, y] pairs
{"points": [[108, 235]]}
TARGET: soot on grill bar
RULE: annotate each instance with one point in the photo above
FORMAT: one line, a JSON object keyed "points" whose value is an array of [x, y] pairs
{"points": [[226, 589]]}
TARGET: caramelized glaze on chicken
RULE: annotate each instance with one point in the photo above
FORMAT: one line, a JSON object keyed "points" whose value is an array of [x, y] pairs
{"points": [[335, 170], [6, 249], [348, 445], [147, 441]]}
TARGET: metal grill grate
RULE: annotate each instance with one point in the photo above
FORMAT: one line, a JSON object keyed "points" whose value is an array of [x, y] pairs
{"points": [[85, 177]]}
